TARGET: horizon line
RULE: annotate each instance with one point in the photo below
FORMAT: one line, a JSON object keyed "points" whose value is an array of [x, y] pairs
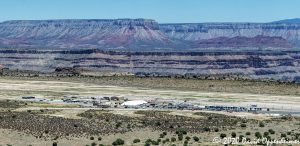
{"points": [[59, 19]]}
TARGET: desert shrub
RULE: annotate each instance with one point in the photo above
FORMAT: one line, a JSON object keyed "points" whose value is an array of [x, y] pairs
{"points": [[178, 132], [222, 135], [186, 142], [154, 142], [99, 138], [248, 133], [92, 138], [241, 138], [243, 125], [136, 140], [283, 135], [93, 144], [196, 138], [118, 125], [180, 137], [157, 123], [148, 141], [173, 139], [187, 138], [266, 134], [118, 142], [54, 144], [258, 135], [271, 131], [216, 130], [207, 129], [161, 136], [233, 134], [261, 124]]}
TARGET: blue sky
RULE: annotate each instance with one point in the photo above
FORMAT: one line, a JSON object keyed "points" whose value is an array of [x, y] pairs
{"points": [[164, 11]]}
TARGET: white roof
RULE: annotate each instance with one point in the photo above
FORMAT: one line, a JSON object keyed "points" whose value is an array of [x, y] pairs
{"points": [[134, 103]]}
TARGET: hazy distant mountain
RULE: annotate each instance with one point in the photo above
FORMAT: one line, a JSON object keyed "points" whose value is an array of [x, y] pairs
{"points": [[295, 20], [145, 34], [124, 33]]}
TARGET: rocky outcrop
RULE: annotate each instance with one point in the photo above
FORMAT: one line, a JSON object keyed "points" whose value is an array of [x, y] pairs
{"points": [[282, 65]]}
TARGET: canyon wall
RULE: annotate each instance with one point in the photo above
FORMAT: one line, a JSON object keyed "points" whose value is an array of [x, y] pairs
{"points": [[144, 47], [282, 65]]}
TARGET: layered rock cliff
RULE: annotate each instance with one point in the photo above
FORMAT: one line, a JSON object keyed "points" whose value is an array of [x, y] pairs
{"points": [[145, 34], [287, 32], [144, 47], [66, 34], [282, 65]]}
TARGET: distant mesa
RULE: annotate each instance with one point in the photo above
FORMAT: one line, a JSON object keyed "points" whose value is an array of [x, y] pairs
{"points": [[295, 20], [145, 34]]}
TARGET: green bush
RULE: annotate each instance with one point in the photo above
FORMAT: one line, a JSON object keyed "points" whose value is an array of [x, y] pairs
{"points": [[180, 137], [266, 134], [161, 136], [233, 134], [261, 124], [118, 142], [154, 142], [283, 135], [186, 142], [241, 138], [258, 135], [136, 140], [271, 131], [196, 138], [173, 139], [207, 129], [222, 135]]}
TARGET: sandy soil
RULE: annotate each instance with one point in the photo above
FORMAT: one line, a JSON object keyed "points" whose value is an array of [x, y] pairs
{"points": [[15, 89]]}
